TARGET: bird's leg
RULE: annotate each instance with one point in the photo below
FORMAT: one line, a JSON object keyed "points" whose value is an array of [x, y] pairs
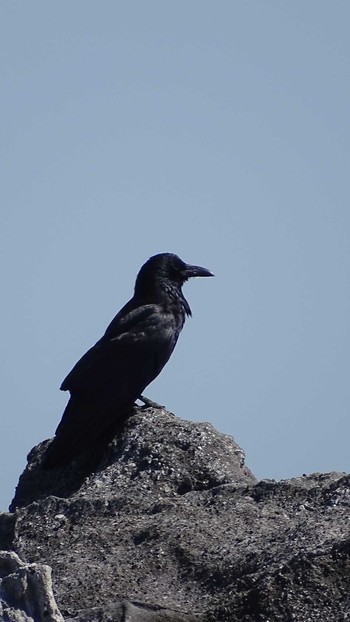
{"points": [[149, 403]]}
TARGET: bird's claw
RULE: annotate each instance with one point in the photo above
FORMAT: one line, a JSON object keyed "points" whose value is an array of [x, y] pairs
{"points": [[149, 403]]}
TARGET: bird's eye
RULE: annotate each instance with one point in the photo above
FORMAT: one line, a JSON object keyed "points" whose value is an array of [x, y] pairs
{"points": [[178, 270]]}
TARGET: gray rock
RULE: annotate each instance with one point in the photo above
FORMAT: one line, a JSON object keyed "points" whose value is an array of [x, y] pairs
{"points": [[174, 526], [26, 591], [157, 448]]}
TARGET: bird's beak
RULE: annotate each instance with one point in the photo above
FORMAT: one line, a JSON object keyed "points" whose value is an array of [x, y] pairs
{"points": [[190, 271]]}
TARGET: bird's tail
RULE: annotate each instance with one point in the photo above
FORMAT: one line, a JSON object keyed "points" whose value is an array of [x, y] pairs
{"points": [[84, 432]]}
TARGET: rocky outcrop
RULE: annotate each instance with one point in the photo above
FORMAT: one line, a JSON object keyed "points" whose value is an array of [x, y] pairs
{"points": [[26, 591], [174, 526]]}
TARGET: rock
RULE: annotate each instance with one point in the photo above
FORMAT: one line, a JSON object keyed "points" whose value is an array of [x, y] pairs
{"points": [[174, 526], [172, 454], [26, 591]]}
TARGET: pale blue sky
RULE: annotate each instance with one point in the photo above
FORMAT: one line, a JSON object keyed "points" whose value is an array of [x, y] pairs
{"points": [[215, 130]]}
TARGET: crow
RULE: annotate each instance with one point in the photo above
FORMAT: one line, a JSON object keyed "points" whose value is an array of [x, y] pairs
{"points": [[105, 383]]}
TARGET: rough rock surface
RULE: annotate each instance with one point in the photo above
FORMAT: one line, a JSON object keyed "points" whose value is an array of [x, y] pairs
{"points": [[174, 527], [26, 591]]}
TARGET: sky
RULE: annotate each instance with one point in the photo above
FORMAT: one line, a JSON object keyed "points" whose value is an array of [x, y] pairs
{"points": [[215, 130]]}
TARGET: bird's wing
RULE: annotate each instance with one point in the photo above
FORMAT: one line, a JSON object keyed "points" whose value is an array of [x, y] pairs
{"points": [[108, 379], [128, 358]]}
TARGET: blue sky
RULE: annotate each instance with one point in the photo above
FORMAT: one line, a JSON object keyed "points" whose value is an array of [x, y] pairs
{"points": [[218, 131]]}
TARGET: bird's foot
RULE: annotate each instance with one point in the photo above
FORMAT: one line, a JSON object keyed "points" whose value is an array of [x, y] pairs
{"points": [[149, 403]]}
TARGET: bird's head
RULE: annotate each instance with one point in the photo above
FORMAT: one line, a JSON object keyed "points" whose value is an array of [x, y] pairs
{"points": [[167, 267]]}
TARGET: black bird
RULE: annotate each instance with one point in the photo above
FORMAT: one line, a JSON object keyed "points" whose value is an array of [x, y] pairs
{"points": [[107, 380]]}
